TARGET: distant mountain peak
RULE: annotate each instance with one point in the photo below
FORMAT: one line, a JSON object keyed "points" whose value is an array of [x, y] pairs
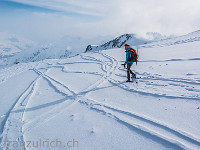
{"points": [[118, 42]]}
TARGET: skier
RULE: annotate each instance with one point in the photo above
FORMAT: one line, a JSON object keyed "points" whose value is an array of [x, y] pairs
{"points": [[131, 57]]}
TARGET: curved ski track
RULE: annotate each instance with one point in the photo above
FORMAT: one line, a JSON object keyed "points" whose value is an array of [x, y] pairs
{"points": [[153, 129]]}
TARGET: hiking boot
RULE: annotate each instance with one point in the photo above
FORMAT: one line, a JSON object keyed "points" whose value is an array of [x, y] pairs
{"points": [[133, 76], [128, 81]]}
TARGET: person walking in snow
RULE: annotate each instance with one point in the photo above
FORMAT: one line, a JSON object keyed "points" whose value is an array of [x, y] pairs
{"points": [[131, 57]]}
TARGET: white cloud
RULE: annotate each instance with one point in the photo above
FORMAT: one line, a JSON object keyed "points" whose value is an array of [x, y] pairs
{"points": [[117, 17], [87, 7], [168, 17]]}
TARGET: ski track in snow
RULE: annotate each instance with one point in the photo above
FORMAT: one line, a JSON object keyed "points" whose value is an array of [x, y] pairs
{"points": [[146, 78], [179, 137], [12, 124], [153, 129], [146, 126]]}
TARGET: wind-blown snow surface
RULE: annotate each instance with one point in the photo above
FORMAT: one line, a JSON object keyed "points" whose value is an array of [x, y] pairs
{"points": [[86, 98]]}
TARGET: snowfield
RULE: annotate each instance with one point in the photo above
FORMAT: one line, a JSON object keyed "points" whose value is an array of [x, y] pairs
{"points": [[84, 102]]}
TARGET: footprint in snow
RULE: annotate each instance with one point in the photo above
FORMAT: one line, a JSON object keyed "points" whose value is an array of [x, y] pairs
{"points": [[93, 131], [74, 117]]}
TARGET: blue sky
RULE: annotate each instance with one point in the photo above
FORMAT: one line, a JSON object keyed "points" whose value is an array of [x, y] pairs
{"points": [[51, 19], [38, 21], [7, 6]]}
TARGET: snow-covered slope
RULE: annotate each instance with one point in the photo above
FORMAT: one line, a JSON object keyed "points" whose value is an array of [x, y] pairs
{"points": [[14, 48], [84, 101], [191, 37], [154, 36], [11, 45], [119, 42]]}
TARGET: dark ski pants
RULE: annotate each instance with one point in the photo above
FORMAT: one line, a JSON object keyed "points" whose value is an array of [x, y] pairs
{"points": [[129, 71]]}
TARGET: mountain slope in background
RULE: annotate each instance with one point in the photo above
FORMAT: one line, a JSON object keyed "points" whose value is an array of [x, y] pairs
{"points": [[118, 42], [11, 44], [13, 48], [154, 36], [191, 37], [154, 40], [131, 39]]}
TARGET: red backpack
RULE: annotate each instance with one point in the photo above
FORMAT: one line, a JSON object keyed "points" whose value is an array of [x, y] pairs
{"points": [[134, 55]]}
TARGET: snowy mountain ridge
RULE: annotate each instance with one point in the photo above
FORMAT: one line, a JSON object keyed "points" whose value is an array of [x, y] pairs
{"points": [[155, 40], [13, 49], [11, 44], [118, 42], [190, 37]]}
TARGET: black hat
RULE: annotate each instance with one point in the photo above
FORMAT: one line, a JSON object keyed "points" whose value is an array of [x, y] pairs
{"points": [[126, 45]]}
